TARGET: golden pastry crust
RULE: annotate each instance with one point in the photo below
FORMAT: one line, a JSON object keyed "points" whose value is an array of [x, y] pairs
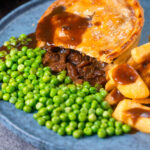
{"points": [[103, 29]]}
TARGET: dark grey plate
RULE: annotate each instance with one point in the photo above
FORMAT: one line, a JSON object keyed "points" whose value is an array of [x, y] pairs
{"points": [[24, 20]]}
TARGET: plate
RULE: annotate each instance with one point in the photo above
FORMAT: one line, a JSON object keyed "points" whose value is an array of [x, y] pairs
{"points": [[24, 20]]}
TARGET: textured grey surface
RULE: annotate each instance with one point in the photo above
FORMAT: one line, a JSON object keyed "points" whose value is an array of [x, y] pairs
{"points": [[24, 20], [9, 141]]}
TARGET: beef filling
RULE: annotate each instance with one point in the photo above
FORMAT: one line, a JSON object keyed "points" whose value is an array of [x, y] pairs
{"points": [[79, 67]]}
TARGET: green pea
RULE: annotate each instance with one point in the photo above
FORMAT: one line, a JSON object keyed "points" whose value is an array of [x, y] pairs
{"points": [[79, 100], [77, 133], [14, 74], [36, 116], [91, 111], [84, 110], [103, 92], [81, 125], [43, 111], [14, 67], [30, 102], [87, 131], [69, 130], [8, 63], [68, 109], [47, 73], [6, 43], [95, 128], [50, 108], [53, 92], [69, 102], [2, 53], [49, 124], [32, 70], [64, 124], [82, 117], [10, 89], [86, 105], [24, 49], [118, 131], [57, 99], [85, 90], [97, 123], [68, 80], [110, 131], [41, 121], [55, 120], [126, 128], [110, 124], [105, 105], [55, 127], [75, 107], [60, 77], [92, 117], [64, 117], [43, 100], [13, 100], [27, 109], [19, 105], [46, 79], [73, 124], [46, 117], [65, 96], [54, 81], [104, 125], [60, 92], [2, 66], [93, 90], [72, 116], [89, 124], [118, 124], [102, 133], [20, 79], [86, 84], [6, 79], [99, 111], [106, 114], [61, 131], [6, 97], [25, 90], [23, 36], [81, 94]]}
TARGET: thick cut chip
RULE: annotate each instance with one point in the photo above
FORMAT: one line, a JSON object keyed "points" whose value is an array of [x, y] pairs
{"points": [[145, 74], [133, 114], [142, 101], [141, 54], [129, 82], [136, 90], [114, 97]]}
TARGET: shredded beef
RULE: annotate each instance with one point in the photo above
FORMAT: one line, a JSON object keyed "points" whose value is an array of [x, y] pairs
{"points": [[79, 67]]}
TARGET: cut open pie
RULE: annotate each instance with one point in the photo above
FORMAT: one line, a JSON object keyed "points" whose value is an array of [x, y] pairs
{"points": [[83, 36]]}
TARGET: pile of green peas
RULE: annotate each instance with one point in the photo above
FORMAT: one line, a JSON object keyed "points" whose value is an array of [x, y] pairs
{"points": [[57, 103]]}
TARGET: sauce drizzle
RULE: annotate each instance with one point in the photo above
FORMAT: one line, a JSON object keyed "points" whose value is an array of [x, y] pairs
{"points": [[116, 95], [136, 113], [124, 74], [62, 27]]}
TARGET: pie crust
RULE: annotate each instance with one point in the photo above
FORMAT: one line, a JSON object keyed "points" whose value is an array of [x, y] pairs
{"points": [[104, 29]]}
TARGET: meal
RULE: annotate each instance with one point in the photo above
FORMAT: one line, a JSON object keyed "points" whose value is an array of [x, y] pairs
{"points": [[81, 73]]}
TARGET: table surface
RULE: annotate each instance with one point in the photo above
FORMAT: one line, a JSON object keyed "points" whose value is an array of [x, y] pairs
{"points": [[8, 140]]}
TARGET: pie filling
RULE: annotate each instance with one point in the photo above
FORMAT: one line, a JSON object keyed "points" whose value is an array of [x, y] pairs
{"points": [[79, 67]]}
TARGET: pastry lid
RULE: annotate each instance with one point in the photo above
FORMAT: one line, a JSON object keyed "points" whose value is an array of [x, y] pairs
{"points": [[103, 29]]}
